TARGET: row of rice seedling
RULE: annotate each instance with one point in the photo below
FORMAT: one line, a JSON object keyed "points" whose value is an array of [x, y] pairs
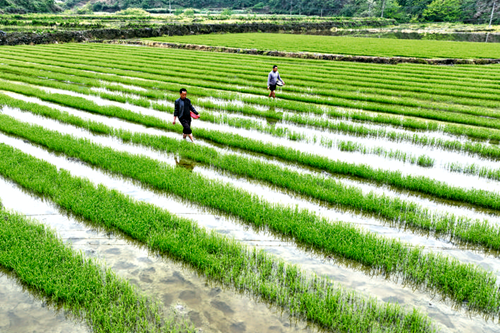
{"points": [[232, 85], [380, 118], [347, 99], [393, 210], [324, 189], [212, 255], [421, 160], [421, 184], [460, 282], [348, 79], [341, 77], [19, 75], [483, 77], [250, 124], [473, 169], [67, 279], [341, 45]]}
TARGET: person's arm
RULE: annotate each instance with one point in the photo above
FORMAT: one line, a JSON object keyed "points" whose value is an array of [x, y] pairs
{"points": [[176, 111], [279, 78], [268, 80], [191, 107]]}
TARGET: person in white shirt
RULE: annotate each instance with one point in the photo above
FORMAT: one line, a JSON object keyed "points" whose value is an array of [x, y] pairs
{"points": [[272, 81]]}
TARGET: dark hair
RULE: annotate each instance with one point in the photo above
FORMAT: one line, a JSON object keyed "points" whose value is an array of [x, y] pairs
{"points": [[275, 66], [182, 89]]}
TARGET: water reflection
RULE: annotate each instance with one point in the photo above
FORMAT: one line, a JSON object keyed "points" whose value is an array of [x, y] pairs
{"points": [[185, 163], [24, 309], [350, 274]]}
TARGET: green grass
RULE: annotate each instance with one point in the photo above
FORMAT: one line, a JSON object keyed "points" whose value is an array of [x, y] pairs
{"points": [[107, 303], [325, 189], [389, 256], [303, 104], [342, 45], [420, 184], [80, 84], [351, 99], [212, 255]]}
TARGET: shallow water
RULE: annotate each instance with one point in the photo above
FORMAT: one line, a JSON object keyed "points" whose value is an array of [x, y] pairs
{"points": [[116, 144], [343, 272], [201, 305], [347, 273], [22, 310], [443, 157], [210, 306]]}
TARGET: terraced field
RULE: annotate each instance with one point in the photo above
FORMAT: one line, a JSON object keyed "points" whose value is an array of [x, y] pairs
{"points": [[363, 46], [365, 198]]}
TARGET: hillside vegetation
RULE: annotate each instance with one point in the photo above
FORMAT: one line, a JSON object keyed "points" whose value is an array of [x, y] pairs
{"points": [[467, 11]]}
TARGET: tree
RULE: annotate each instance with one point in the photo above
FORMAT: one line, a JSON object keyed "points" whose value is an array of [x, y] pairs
{"points": [[393, 10], [442, 11]]}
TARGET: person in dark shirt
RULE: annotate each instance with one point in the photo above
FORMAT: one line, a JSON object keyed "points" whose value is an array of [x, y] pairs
{"points": [[182, 110], [272, 80]]}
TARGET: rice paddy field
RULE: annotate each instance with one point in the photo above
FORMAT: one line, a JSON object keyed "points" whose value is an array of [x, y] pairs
{"points": [[362, 46], [365, 198]]}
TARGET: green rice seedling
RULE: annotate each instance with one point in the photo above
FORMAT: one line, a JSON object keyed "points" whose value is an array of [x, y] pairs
{"points": [[473, 169], [454, 129], [107, 303], [300, 80], [341, 45], [339, 238], [422, 160], [394, 210], [356, 129], [425, 161], [370, 105], [215, 256], [394, 178], [376, 73], [480, 149]]}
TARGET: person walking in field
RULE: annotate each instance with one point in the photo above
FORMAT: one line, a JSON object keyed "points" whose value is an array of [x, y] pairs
{"points": [[182, 110], [272, 80]]}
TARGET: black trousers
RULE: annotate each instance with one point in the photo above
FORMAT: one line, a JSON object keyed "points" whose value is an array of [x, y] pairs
{"points": [[186, 125]]}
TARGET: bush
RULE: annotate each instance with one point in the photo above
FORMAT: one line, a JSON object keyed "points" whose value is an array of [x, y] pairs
{"points": [[442, 11], [189, 12], [87, 9], [133, 11], [227, 12]]}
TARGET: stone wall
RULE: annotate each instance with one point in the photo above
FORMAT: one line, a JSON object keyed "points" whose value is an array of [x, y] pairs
{"points": [[17, 38]]}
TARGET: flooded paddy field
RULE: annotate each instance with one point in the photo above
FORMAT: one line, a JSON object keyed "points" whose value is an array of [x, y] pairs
{"points": [[386, 172]]}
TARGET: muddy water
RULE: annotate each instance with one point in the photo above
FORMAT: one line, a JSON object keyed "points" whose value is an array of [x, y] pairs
{"points": [[208, 305], [24, 311], [347, 273]]}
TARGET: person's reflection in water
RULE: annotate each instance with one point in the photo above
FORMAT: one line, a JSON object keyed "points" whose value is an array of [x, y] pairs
{"points": [[184, 163], [271, 117]]}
